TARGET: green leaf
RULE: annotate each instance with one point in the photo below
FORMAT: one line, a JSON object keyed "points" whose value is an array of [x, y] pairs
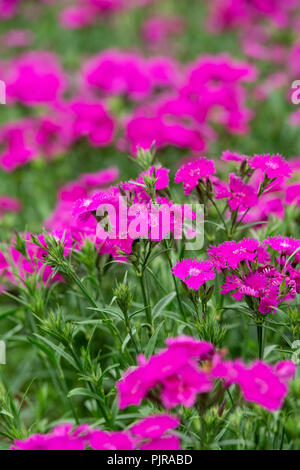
{"points": [[84, 392], [162, 304], [61, 352], [152, 341]]}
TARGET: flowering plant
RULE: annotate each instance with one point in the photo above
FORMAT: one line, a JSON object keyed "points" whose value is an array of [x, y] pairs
{"points": [[149, 225]]}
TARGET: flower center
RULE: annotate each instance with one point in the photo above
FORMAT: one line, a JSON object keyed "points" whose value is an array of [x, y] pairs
{"points": [[194, 272]]}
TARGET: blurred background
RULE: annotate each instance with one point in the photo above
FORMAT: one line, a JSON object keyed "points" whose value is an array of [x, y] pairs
{"points": [[89, 81]]}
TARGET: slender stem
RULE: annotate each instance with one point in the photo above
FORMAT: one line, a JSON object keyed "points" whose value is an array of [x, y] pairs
{"points": [[220, 215], [260, 341], [234, 216], [129, 331], [176, 289], [84, 290], [91, 386], [242, 218], [204, 310], [146, 303]]}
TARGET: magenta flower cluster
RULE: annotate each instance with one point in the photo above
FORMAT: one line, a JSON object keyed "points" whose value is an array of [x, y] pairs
{"points": [[189, 367]]}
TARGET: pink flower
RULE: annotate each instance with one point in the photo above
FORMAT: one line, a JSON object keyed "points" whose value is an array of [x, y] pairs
{"points": [[274, 166], [52, 136], [100, 440], [3, 263], [83, 208], [100, 178], [35, 78], [34, 261], [231, 253], [106, 5], [285, 370], [9, 204], [61, 438], [115, 73], [77, 17], [143, 131], [264, 285], [194, 273], [153, 433], [163, 72], [17, 38], [260, 384], [292, 194], [184, 386], [19, 146], [156, 30], [240, 195], [91, 120], [286, 246], [229, 156], [224, 370], [175, 369], [8, 8], [190, 173]]}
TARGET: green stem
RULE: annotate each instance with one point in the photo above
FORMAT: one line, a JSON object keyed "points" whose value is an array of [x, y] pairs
{"points": [[176, 289], [220, 215], [92, 388], [129, 331], [260, 341], [146, 304], [84, 290]]}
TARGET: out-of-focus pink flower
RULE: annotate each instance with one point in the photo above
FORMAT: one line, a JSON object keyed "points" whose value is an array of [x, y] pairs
{"points": [[35, 78], [52, 135], [100, 440], [17, 38], [61, 438], [225, 14], [100, 178], [105, 5], [117, 73], [33, 263], [163, 72], [77, 16], [153, 433], [261, 384], [156, 30], [9, 204], [91, 120], [228, 156], [143, 131], [293, 194], [18, 139], [8, 8], [175, 369], [266, 206]]}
